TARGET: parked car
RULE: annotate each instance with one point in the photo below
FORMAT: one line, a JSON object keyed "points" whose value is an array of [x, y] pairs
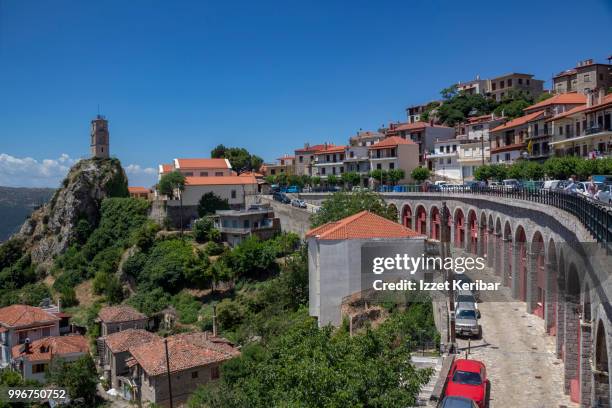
{"points": [[602, 178], [511, 184], [468, 379], [293, 189], [604, 194], [532, 185], [357, 189], [282, 197], [458, 402], [553, 184], [298, 203], [582, 187], [466, 320], [496, 185], [466, 296]]}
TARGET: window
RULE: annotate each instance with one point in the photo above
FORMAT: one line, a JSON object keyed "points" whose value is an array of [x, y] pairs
{"points": [[587, 77], [378, 166], [351, 154], [194, 374], [233, 193], [501, 84], [203, 174], [46, 331], [246, 224], [23, 336], [493, 86], [448, 160], [577, 128], [341, 169], [301, 159], [535, 129], [189, 174], [327, 158], [333, 170], [272, 171], [560, 130], [454, 148], [214, 373], [520, 81], [218, 173], [528, 82], [39, 368], [391, 166], [323, 171], [509, 83], [507, 157]]}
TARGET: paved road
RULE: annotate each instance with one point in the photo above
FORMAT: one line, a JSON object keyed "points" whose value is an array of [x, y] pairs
{"points": [[519, 356]]}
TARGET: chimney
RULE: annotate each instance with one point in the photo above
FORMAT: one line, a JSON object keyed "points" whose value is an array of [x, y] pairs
{"points": [[214, 317]]}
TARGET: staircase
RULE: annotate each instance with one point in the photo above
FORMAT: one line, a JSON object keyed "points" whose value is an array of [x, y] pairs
{"points": [[421, 362]]}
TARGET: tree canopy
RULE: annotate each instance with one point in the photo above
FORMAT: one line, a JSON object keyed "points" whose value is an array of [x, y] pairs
{"points": [[209, 203], [171, 182], [343, 204], [240, 158]]}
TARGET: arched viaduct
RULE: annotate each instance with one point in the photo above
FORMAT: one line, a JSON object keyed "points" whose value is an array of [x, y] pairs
{"points": [[548, 259]]}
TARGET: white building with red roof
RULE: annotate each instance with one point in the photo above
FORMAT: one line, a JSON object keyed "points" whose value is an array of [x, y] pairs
{"points": [[21, 322], [305, 158], [32, 358], [329, 161], [424, 134], [339, 258], [198, 167], [394, 152]]}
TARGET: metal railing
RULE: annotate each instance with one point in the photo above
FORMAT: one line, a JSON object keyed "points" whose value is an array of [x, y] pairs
{"points": [[595, 216]]}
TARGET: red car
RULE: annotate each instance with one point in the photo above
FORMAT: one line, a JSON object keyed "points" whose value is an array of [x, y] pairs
{"points": [[468, 378]]}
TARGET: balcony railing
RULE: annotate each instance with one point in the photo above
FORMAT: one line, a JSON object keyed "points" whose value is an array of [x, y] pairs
{"points": [[597, 129]]}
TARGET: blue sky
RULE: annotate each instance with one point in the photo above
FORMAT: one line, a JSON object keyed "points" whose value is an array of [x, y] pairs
{"points": [[177, 78]]}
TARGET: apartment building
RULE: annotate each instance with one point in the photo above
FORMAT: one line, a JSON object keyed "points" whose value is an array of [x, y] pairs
{"points": [[474, 87], [585, 77], [357, 160], [423, 134], [237, 225], [329, 161], [538, 132], [498, 88], [305, 157], [283, 165], [394, 153], [478, 127], [366, 138], [414, 112], [508, 141], [444, 159], [584, 131], [472, 153], [194, 359], [21, 322]]}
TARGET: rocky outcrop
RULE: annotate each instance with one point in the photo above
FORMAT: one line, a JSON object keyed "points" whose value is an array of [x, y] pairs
{"points": [[52, 228]]}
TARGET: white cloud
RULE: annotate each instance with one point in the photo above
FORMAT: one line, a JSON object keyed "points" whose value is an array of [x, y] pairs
{"points": [[29, 172], [141, 176]]}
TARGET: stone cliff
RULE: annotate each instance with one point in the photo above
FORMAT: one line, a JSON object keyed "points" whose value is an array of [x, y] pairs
{"points": [[52, 228]]}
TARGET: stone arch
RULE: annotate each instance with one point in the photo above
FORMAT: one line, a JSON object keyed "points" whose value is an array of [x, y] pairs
{"points": [[407, 216], [472, 232], [436, 223], [572, 350], [520, 246], [508, 251], [601, 375], [491, 241], [552, 293], [420, 225], [497, 245], [459, 235], [538, 282], [561, 285], [483, 236]]}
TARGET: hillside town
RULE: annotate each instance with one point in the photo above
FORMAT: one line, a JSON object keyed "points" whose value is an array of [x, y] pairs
{"points": [[168, 292]]}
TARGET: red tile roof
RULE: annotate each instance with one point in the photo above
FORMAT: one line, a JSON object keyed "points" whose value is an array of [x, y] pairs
{"points": [[220, 180], [121, 313], [185, 352], [392, 141], [363, 225], [23, 315], [313, 148], [138, 189], [331, 149], [251, 173], [123, 340], [559, 99], [166, 168], [519, 121], [202, 164], [48, 347]]}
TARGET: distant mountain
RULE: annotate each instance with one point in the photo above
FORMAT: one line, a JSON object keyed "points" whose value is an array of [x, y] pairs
{"points": [[16, 204]]}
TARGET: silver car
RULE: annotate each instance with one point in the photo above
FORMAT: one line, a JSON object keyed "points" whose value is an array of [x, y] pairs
{"points": [[466, 320]]}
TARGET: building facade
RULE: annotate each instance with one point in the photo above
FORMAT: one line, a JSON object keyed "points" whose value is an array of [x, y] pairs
{"points": [[585, 77], [237, 225], [423, 134], [305, 158], [100, 138], [395, 153], [329, 161], [501, 86], [113, 319]]}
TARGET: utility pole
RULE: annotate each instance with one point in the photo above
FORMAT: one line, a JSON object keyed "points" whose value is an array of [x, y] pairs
{"points": [[168, 372], [449, 274]]}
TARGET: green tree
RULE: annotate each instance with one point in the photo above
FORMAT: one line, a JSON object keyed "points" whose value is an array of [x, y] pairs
{"points": [[270, 179], [341, 205], [172, 182], [209, 203], [498, 172], [316, 181], [420, 174], [202, 229], [282, 179], [513, 104], [561, 167], [332, 180], [395, 175], [483, 172], [380, 176], [240, 159], [350, 179], [79, 378]]}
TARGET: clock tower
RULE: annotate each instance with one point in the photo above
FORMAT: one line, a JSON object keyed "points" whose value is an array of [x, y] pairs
{"points": [[99, 137]]}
